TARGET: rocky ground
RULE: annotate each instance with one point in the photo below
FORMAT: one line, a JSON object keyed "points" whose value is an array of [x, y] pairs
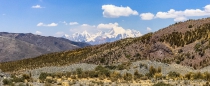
{"points": [[36, 72], [166, 68]]}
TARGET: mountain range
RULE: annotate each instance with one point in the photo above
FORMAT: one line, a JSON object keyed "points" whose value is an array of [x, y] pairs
{"points": [[185, 43], [103, 37], [17, 46]]}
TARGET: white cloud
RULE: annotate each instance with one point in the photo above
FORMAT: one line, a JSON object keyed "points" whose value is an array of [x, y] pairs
{"points": [[52, 24], [180, 15], [47, 25], [85, 25], [3, 14], [40, 24], [207, 8], [195, 12], [92, 29], [37, 6], [149, 29], [107, 26], [64, 22], [177, 19], [73, 23], [147, 16], [112, 11], [59, 34], [38, 33], [170, 14]]}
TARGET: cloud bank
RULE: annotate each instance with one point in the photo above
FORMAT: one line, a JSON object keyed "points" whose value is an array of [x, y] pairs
{"points": [[177, 15], [38, 33], [112, 11], [73, 23], [107, 26]]}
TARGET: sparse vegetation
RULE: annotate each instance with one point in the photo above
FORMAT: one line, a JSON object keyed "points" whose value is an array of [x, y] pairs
{"points": [[185, 43], [173, 74], [161, 84], [109, 53], [15, 79]]}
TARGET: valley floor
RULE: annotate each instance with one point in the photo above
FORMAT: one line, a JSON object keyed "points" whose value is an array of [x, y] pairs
{"points": [[58, 76], [97, 82]]}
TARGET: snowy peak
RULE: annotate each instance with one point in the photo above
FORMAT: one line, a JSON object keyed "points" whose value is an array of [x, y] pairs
{"points": [[117, 30], [66, 36], [85, 34], [114, 34], [82, 37]]}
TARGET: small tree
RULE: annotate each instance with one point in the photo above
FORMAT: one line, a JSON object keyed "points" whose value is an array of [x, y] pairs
{"points": [[197, 75], [206, 76], [128, 77], [190, 26], [79, 72], [159, 70], [114, 76], [137, 75], [102, 70], [152, 71], [25, 76], [188, 76]]}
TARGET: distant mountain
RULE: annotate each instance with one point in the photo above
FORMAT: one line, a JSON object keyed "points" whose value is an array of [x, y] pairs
{"points": [[17, 46], [103, 37]]}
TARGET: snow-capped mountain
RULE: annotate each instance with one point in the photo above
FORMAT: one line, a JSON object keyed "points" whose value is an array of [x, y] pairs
{"points": [[103, 37]]}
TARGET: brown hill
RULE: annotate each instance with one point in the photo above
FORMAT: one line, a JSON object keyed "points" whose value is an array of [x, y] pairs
{"points": [[17, 46], [186, 43]]}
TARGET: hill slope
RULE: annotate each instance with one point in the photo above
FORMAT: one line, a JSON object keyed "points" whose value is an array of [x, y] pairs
{"points": [[16, 46], [186, 43]]}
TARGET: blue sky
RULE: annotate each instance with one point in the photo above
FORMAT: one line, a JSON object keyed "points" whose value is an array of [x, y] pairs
{"points": [[59, 17]]}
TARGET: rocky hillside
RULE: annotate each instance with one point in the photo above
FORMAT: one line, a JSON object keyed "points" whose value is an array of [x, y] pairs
{"points": [[185, 43], [17, 46]]}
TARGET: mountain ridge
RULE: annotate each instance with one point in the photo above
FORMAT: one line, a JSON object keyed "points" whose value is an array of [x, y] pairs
{"points": [[17, 46]]}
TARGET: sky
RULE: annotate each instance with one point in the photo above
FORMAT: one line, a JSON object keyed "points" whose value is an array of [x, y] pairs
{"points": [[59, 17]]}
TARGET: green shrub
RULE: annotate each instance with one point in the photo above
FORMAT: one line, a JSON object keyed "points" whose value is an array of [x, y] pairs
{"points": [[173, 74], [114, 76], [190, 26], [121, 67], [7, 82], [137, 75], [25, 76], [102, 70], [152, 70], [43, 76], [112, 67], [128, 77], [16, 79]]}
